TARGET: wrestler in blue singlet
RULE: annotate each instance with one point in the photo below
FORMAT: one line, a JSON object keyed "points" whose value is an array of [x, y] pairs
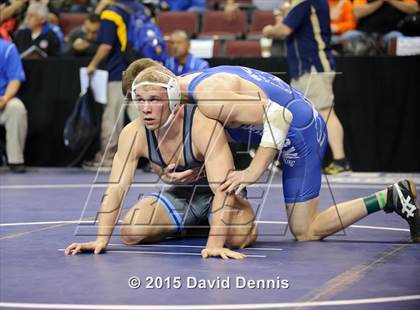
{"points": [[306, 140]]}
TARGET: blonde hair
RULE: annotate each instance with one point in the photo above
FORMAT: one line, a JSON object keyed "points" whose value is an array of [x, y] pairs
{"points": [[133, 70], [154, 74]]}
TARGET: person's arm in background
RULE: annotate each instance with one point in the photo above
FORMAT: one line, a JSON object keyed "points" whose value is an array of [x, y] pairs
{"points": [[11, 91], [73, 36], [407, 7], [101, 53], [362, 9], [78, 45], [12, 9], [286, 23], [278, 30], [107, 38], [346, 19], [102, 4]]}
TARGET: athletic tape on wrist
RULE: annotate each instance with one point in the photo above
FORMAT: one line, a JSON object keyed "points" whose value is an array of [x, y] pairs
{"points": [[277, 120]]}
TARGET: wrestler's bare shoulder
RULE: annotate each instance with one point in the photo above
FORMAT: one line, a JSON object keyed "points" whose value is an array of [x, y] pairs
{"points": [[135, 133], [204, 127]]}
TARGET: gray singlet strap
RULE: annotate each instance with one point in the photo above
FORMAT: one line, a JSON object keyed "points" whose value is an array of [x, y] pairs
{"points": [[190, 160]]}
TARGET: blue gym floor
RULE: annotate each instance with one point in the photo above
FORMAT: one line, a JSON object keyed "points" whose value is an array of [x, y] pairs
{"points": [[371, 265]]}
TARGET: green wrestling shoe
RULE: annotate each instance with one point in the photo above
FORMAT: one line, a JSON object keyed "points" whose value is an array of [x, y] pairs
{"points": [[401, 198], [337, 166]]}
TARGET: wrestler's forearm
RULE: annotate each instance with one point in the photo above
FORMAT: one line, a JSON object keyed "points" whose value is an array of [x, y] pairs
{"points": [[263, 158], [109, 212], [123, 169], [220, 219]]}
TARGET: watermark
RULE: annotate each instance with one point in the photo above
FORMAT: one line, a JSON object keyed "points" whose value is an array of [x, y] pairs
{"points": [[134, 282], [217, 283]]}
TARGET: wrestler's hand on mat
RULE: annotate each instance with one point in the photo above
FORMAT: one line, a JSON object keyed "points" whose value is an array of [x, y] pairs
{"points": [[95, 246], [170, 176], [224, 253], [238, 180]]}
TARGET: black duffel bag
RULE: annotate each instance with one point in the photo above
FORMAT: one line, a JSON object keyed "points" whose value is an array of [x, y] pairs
{"points": [[83, 126]]}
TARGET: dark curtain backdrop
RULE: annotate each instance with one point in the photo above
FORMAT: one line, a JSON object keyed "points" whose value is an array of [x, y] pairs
{"points": [[377, 100]]}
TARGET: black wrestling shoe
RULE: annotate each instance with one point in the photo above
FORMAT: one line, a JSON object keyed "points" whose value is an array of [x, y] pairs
{"points": [[401, 198], [17, 168]]}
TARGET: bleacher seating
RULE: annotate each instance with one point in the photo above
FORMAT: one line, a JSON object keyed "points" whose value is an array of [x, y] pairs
{"points": [[242, 48], [170, 21], [215, 25], [260, 19], [69, 21]]}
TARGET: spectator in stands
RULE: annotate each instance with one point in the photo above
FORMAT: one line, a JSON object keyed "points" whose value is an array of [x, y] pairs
{"points": [[53, 20], [381, 16], [12, 111], [311, 65], [38, 32], [82, 40], [182, 60], [184, 5], [342, 19], [112, 40]]}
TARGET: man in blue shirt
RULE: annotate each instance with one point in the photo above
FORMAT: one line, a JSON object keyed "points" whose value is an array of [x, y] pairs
{"points": [[112, 40], [182, 61], [12, 111], [306, 26]]}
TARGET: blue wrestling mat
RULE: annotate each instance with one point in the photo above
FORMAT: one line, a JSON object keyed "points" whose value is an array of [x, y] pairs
{"points": [[370, 265]]}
